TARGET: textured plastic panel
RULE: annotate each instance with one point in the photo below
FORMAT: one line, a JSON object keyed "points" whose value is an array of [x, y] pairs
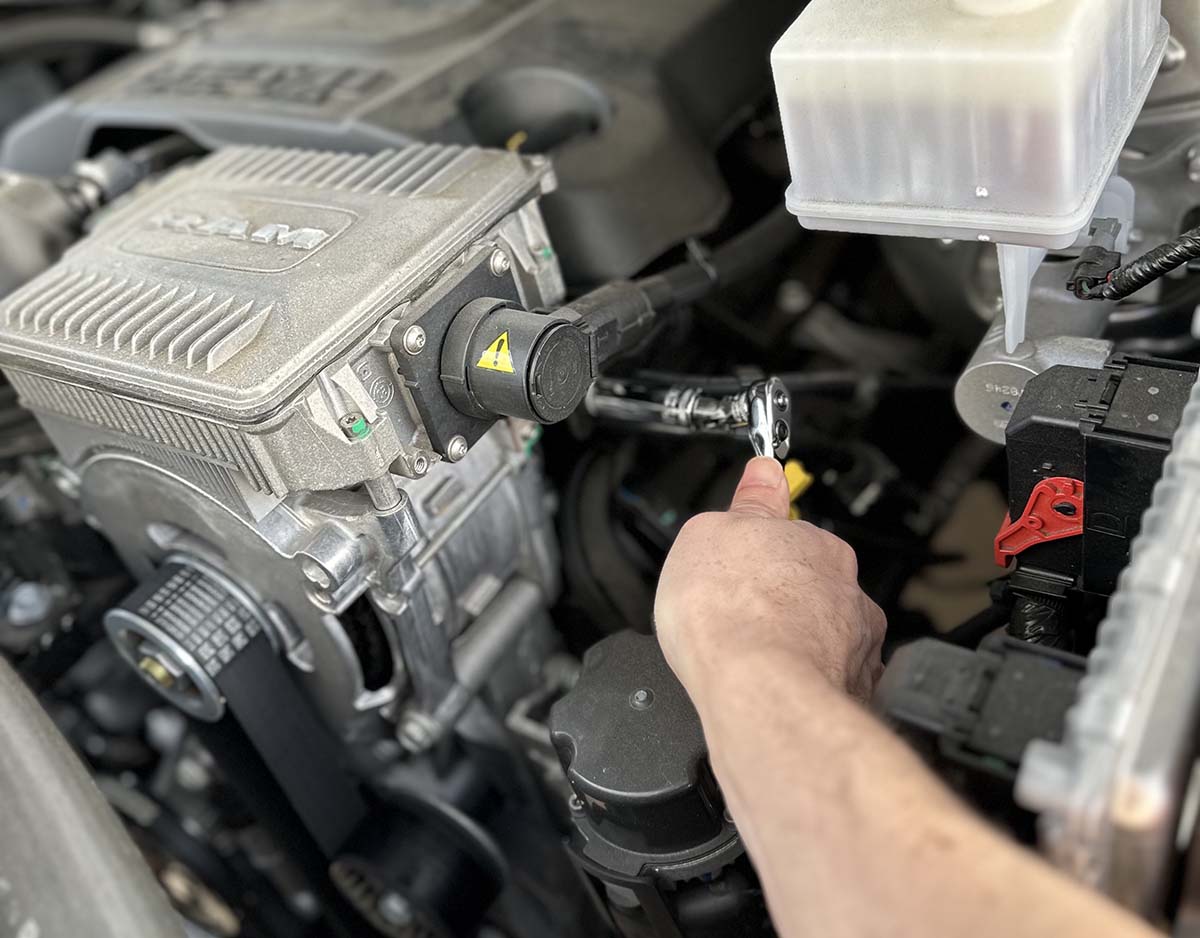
{"points": [[622, 93], [229, 285], [962, 118], [1110, 795]]}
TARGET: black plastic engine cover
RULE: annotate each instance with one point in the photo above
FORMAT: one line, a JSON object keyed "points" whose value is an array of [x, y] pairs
{"points": [[629, 96]]}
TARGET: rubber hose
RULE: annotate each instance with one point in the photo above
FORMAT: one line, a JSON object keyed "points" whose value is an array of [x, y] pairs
{"points": [[28, 35], [762, 242], [67, 865]]}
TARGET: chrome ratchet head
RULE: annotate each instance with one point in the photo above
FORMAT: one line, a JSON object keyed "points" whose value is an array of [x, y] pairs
{"points": [[770, 424]]}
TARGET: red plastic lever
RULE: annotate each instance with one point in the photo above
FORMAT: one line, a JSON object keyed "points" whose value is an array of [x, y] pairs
{"points": [[1054, 511]]}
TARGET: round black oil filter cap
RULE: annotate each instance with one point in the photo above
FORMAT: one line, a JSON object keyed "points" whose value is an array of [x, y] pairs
{"points": [[635, 756]]}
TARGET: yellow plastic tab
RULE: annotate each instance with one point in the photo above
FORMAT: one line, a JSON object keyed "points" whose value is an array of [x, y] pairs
{"points": [[799, 481]]}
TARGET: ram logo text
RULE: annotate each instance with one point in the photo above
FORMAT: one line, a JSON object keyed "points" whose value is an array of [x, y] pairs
{"points": [[242, 229]]}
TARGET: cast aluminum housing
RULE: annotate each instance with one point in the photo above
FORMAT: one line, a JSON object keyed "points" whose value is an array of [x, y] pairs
{"points": [[224, 319]]}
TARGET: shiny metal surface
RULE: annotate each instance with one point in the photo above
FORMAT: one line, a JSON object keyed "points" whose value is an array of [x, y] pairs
{"points": [[1061, 330], [761, 412], [448, 547]]}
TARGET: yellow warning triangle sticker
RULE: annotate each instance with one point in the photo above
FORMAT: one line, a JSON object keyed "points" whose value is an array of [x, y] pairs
{"points": [[497, 356]]}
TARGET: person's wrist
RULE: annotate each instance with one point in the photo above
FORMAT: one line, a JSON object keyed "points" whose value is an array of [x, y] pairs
{"points": [[713, 674]]}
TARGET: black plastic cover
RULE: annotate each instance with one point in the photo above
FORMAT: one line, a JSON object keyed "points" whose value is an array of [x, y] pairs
{"points": [[980, 709], [634, 753], [1111, 428], [629, 97]]}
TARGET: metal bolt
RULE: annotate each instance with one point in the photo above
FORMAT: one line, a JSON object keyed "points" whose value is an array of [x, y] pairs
{"points": [[414, 340], [29, 604], [315, 573], [394, 909], [420, 465], [156, 671], [781, 401], [416, 733], [499, 264], [575, 803], [457, 448], [354, 425], [641, 699]]}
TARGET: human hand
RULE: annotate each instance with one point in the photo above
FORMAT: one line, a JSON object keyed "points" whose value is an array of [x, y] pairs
{"points": [[750, 580]]}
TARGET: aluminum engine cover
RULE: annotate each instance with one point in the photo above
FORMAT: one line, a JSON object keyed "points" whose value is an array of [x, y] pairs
{"points": [[229, 314]]}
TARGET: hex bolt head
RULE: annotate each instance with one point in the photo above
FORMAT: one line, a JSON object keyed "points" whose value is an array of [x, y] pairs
{"points": [[457, 448], [499, 264], [414, 340]]}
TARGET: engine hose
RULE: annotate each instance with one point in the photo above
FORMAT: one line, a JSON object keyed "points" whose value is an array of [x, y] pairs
{"points": [[67, 867], [1130, 278], [37, 35], [762, 242]]}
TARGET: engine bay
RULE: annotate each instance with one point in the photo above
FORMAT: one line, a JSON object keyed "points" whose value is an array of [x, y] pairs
{"points": [[363, 361]]}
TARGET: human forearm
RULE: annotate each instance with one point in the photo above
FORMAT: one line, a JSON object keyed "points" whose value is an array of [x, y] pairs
{"points": [[853, 836]]}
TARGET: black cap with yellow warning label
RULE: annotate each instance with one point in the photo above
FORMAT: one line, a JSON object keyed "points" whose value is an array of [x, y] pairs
{"points": [[502, 361]]}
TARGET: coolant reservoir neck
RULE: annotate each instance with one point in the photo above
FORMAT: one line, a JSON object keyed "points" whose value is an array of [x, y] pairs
{"points": [[999, 7]]}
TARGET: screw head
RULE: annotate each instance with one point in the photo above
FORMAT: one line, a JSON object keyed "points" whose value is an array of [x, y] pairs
{"points": [[457, 448], [414, 340], [781, 401], [420, 465], [354, 425], [394, 909], [641, 699], [575, 803], [499, 264]]}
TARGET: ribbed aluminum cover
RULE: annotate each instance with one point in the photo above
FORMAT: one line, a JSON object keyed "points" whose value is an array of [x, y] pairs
{"points": [[229, 284]]}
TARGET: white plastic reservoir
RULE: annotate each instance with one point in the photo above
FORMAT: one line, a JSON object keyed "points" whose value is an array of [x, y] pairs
{"points": [[996, 120]]}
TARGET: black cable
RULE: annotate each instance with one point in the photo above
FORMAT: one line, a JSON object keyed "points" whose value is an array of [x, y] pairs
{"points": [[40, 34], [1144, 314], [1127, 280], [763, 241], [163, 153]]}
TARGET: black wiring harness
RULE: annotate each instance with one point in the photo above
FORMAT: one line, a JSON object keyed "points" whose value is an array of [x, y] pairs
{"points": [[1099, 275]]}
